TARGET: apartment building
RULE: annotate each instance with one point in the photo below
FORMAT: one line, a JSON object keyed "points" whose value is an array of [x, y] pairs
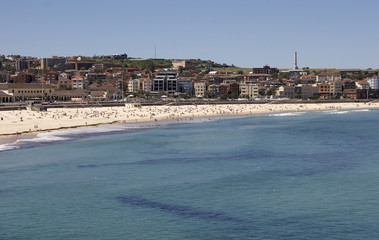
{"points": [[166, 82], [78, 82], [249, 90], [200, 89]]}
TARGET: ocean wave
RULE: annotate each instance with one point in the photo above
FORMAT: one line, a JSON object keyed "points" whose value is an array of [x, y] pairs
{"points": [[69, 134], [328, 111], [6, 147], [43, 138], [287, 114], [340, 112], [361, 110]]}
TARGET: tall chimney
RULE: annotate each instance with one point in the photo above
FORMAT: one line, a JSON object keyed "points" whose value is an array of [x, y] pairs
{"points": [[295, 61]]}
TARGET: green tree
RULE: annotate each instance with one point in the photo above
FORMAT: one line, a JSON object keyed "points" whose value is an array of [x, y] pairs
{"points": [[314, 97], [224, 97], [262, 91], [99, 70]]}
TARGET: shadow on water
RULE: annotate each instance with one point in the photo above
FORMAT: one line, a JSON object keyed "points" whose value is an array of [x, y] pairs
{"points": [[214, 157], [179, 210], [143, 162]]}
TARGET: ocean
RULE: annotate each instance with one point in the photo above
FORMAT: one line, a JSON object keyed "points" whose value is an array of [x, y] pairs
{"points": [[282, 176]]}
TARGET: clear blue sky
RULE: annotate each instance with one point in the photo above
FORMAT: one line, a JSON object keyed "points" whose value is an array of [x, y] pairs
{"points": [[246, 33]]}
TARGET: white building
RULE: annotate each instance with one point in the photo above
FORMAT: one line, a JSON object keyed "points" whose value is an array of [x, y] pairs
{"points": [[133, 85], [147, 85], [362, 84], [325, 77], [200, 89], [336, 88], [64, 75], [182, 63], [374, 83], [286, 91], [78, 82], [249, 90]]}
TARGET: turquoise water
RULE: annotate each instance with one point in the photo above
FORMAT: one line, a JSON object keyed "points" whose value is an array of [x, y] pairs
{"points": [[289, 176]]}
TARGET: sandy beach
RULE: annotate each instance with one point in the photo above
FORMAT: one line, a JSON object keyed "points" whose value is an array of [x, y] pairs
{"points": [[29, 122]]}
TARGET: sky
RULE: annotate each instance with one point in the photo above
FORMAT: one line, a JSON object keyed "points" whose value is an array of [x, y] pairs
{"points": [[246, 33]]}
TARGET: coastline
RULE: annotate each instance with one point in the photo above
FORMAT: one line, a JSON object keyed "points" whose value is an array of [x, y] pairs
{"points": [[28, 124]]}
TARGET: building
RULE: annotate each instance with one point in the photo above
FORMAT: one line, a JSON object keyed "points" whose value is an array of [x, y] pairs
{"points": [[186, 86], [111, 91], [349, 72], [324, 90], [98, 95], [228, 78], [355, 93], [336, 88], [48, 63], [22, 64], [96, 77], [64, 75], [78, 82], [234, 88], [253, 78], [52, 77], [308, 79], [23, 77], [348, 84], [182, 63], [374, 83], [325, 77], [83, 65], [356, 72], [4, 76], [223, 89], [72, 95], [265, 70], [200, 89], [250, 91], [24, 91], [213, 89], [133, 86], [362, 84], [119, 56], [147, 85], [4, 97], [64, 83], [308, 90], [166, 82], [286, 92]]}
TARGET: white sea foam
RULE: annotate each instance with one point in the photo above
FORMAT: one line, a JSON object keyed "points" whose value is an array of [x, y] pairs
{"points": [[329, 111], [340, 112], [5, 147], [287, 114], [361, 110], [44, 137], [67, 134], [64, 135]]}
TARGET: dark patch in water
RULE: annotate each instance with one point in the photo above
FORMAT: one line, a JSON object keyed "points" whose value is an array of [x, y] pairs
{"points": [[182, 160], [178, 210], [147, 162]]}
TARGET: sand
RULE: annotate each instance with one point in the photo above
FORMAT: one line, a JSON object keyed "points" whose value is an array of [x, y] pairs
{"points": [[29, 122]]}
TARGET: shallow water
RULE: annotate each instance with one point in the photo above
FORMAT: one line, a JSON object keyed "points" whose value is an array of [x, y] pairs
{"points": [[284, 176]]}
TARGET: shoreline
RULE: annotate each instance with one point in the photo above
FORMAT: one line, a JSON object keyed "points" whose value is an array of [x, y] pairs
{"points": [[19, 123]]}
